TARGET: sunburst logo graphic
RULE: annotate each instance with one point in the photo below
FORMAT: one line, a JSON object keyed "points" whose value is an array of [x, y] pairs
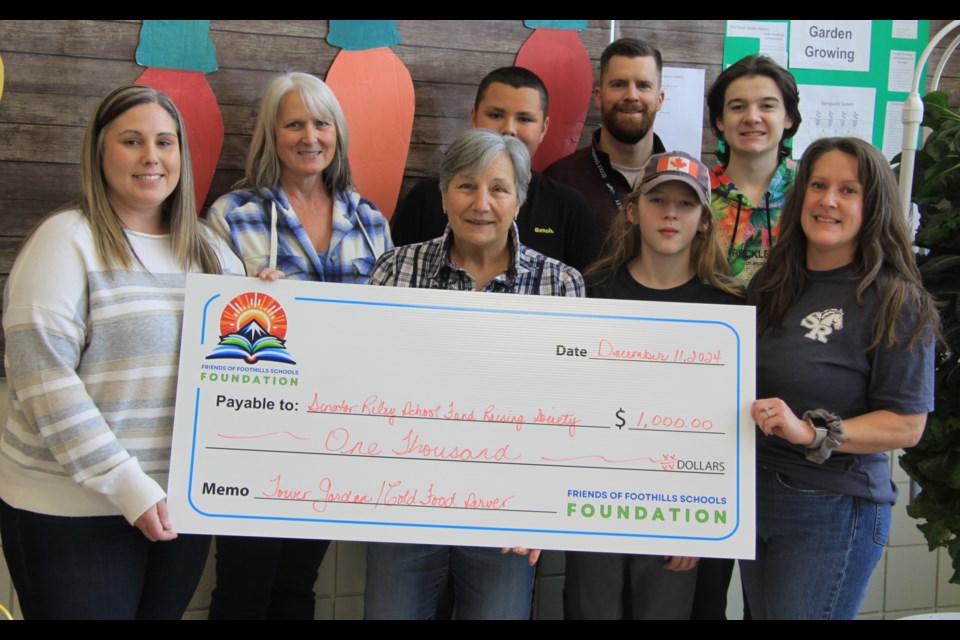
{"points": [[253, 327]]}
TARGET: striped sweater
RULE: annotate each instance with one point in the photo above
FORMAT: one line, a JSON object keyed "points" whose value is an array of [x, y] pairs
{"points": [[91, 361]]}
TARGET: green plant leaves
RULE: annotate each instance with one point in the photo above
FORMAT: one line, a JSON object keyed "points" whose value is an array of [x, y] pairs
{"points": [[935, 462]]}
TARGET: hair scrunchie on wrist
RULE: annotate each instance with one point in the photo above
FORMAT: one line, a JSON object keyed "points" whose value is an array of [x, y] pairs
{"points": [[831, 422]]}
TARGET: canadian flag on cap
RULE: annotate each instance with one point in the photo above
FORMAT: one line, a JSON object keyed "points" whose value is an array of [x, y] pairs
{"points": [[676, 163]]}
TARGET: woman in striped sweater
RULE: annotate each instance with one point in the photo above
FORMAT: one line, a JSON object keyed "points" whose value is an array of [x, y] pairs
{"points": [[92, 314]]}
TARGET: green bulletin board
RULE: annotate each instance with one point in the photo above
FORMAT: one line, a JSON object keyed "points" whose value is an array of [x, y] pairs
{"points": [[864, 71]]}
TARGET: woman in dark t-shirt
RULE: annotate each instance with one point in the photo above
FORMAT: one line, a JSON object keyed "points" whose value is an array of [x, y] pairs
{"points": [[845, 365]]}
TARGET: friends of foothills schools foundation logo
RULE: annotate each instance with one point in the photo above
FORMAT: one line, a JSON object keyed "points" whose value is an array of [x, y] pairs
{"points": [[252, 328]]}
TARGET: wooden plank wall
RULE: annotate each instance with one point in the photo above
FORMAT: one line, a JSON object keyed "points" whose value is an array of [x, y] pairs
{"points": [[56, 71]]}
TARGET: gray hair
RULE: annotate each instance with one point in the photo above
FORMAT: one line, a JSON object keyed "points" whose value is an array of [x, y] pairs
{"points": [[263, 165], [475, 149]]}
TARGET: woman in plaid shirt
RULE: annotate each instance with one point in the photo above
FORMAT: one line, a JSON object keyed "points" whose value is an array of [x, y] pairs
{"points": [[295, 215], [483, 180]]}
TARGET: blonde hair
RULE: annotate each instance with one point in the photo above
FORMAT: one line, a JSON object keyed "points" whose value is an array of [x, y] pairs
{"points": [[191, 247], [624, 243], [263, 164]]}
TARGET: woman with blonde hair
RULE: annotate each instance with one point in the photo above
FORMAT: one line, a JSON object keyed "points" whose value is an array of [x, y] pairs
{"points": [[294, 214], [295, 210], [92, 316]]}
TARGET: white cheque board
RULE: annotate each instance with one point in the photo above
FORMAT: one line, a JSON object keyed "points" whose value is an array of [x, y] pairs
{"points": [[344, 412]]}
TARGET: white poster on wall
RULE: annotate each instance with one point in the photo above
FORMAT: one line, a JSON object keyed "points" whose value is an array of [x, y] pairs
{"points": [[900, 75], [893, 130], [834, 111], [772, 37], [841, 45], [682, 105]]}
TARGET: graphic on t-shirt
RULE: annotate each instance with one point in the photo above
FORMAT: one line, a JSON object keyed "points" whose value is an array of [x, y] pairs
{"points": [[822, 324], [252, 328]]}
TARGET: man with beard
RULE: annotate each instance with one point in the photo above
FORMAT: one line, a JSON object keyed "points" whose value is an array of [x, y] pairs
{"points": [[629, 97]]}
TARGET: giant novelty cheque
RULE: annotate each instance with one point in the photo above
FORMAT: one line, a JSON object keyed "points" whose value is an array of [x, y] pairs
{"points": [[346, 412]]}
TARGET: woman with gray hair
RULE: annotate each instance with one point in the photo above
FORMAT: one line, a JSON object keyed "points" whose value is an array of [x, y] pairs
{"points": [[483, 181], [295, 215]]}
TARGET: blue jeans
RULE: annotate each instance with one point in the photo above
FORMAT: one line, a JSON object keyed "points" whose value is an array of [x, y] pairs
{"points": [[404, 582], [816, 550], [97, 567]]}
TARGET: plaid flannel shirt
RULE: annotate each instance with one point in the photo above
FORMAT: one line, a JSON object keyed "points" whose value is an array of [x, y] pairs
{"points": [[359, 235], [427, 266]]}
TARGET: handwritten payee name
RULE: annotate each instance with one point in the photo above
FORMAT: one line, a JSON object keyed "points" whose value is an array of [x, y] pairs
{"points": [[374, 405]]}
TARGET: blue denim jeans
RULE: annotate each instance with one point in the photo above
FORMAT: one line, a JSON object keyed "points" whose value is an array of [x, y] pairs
{"points": [[816, 550], [404, 582], [97, 567]]}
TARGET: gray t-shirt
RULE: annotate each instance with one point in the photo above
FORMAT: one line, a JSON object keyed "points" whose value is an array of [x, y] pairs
{"points": [[820, 360]]}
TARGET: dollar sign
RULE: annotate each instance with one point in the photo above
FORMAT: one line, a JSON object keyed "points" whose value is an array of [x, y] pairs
{"points": [[620, 420]]}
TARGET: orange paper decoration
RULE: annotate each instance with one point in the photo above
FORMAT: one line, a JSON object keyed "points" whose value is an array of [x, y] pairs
{"points": [[376, 93]]}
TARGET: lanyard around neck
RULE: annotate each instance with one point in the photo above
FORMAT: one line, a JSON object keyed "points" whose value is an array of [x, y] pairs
{"points": [[606, 179]]}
